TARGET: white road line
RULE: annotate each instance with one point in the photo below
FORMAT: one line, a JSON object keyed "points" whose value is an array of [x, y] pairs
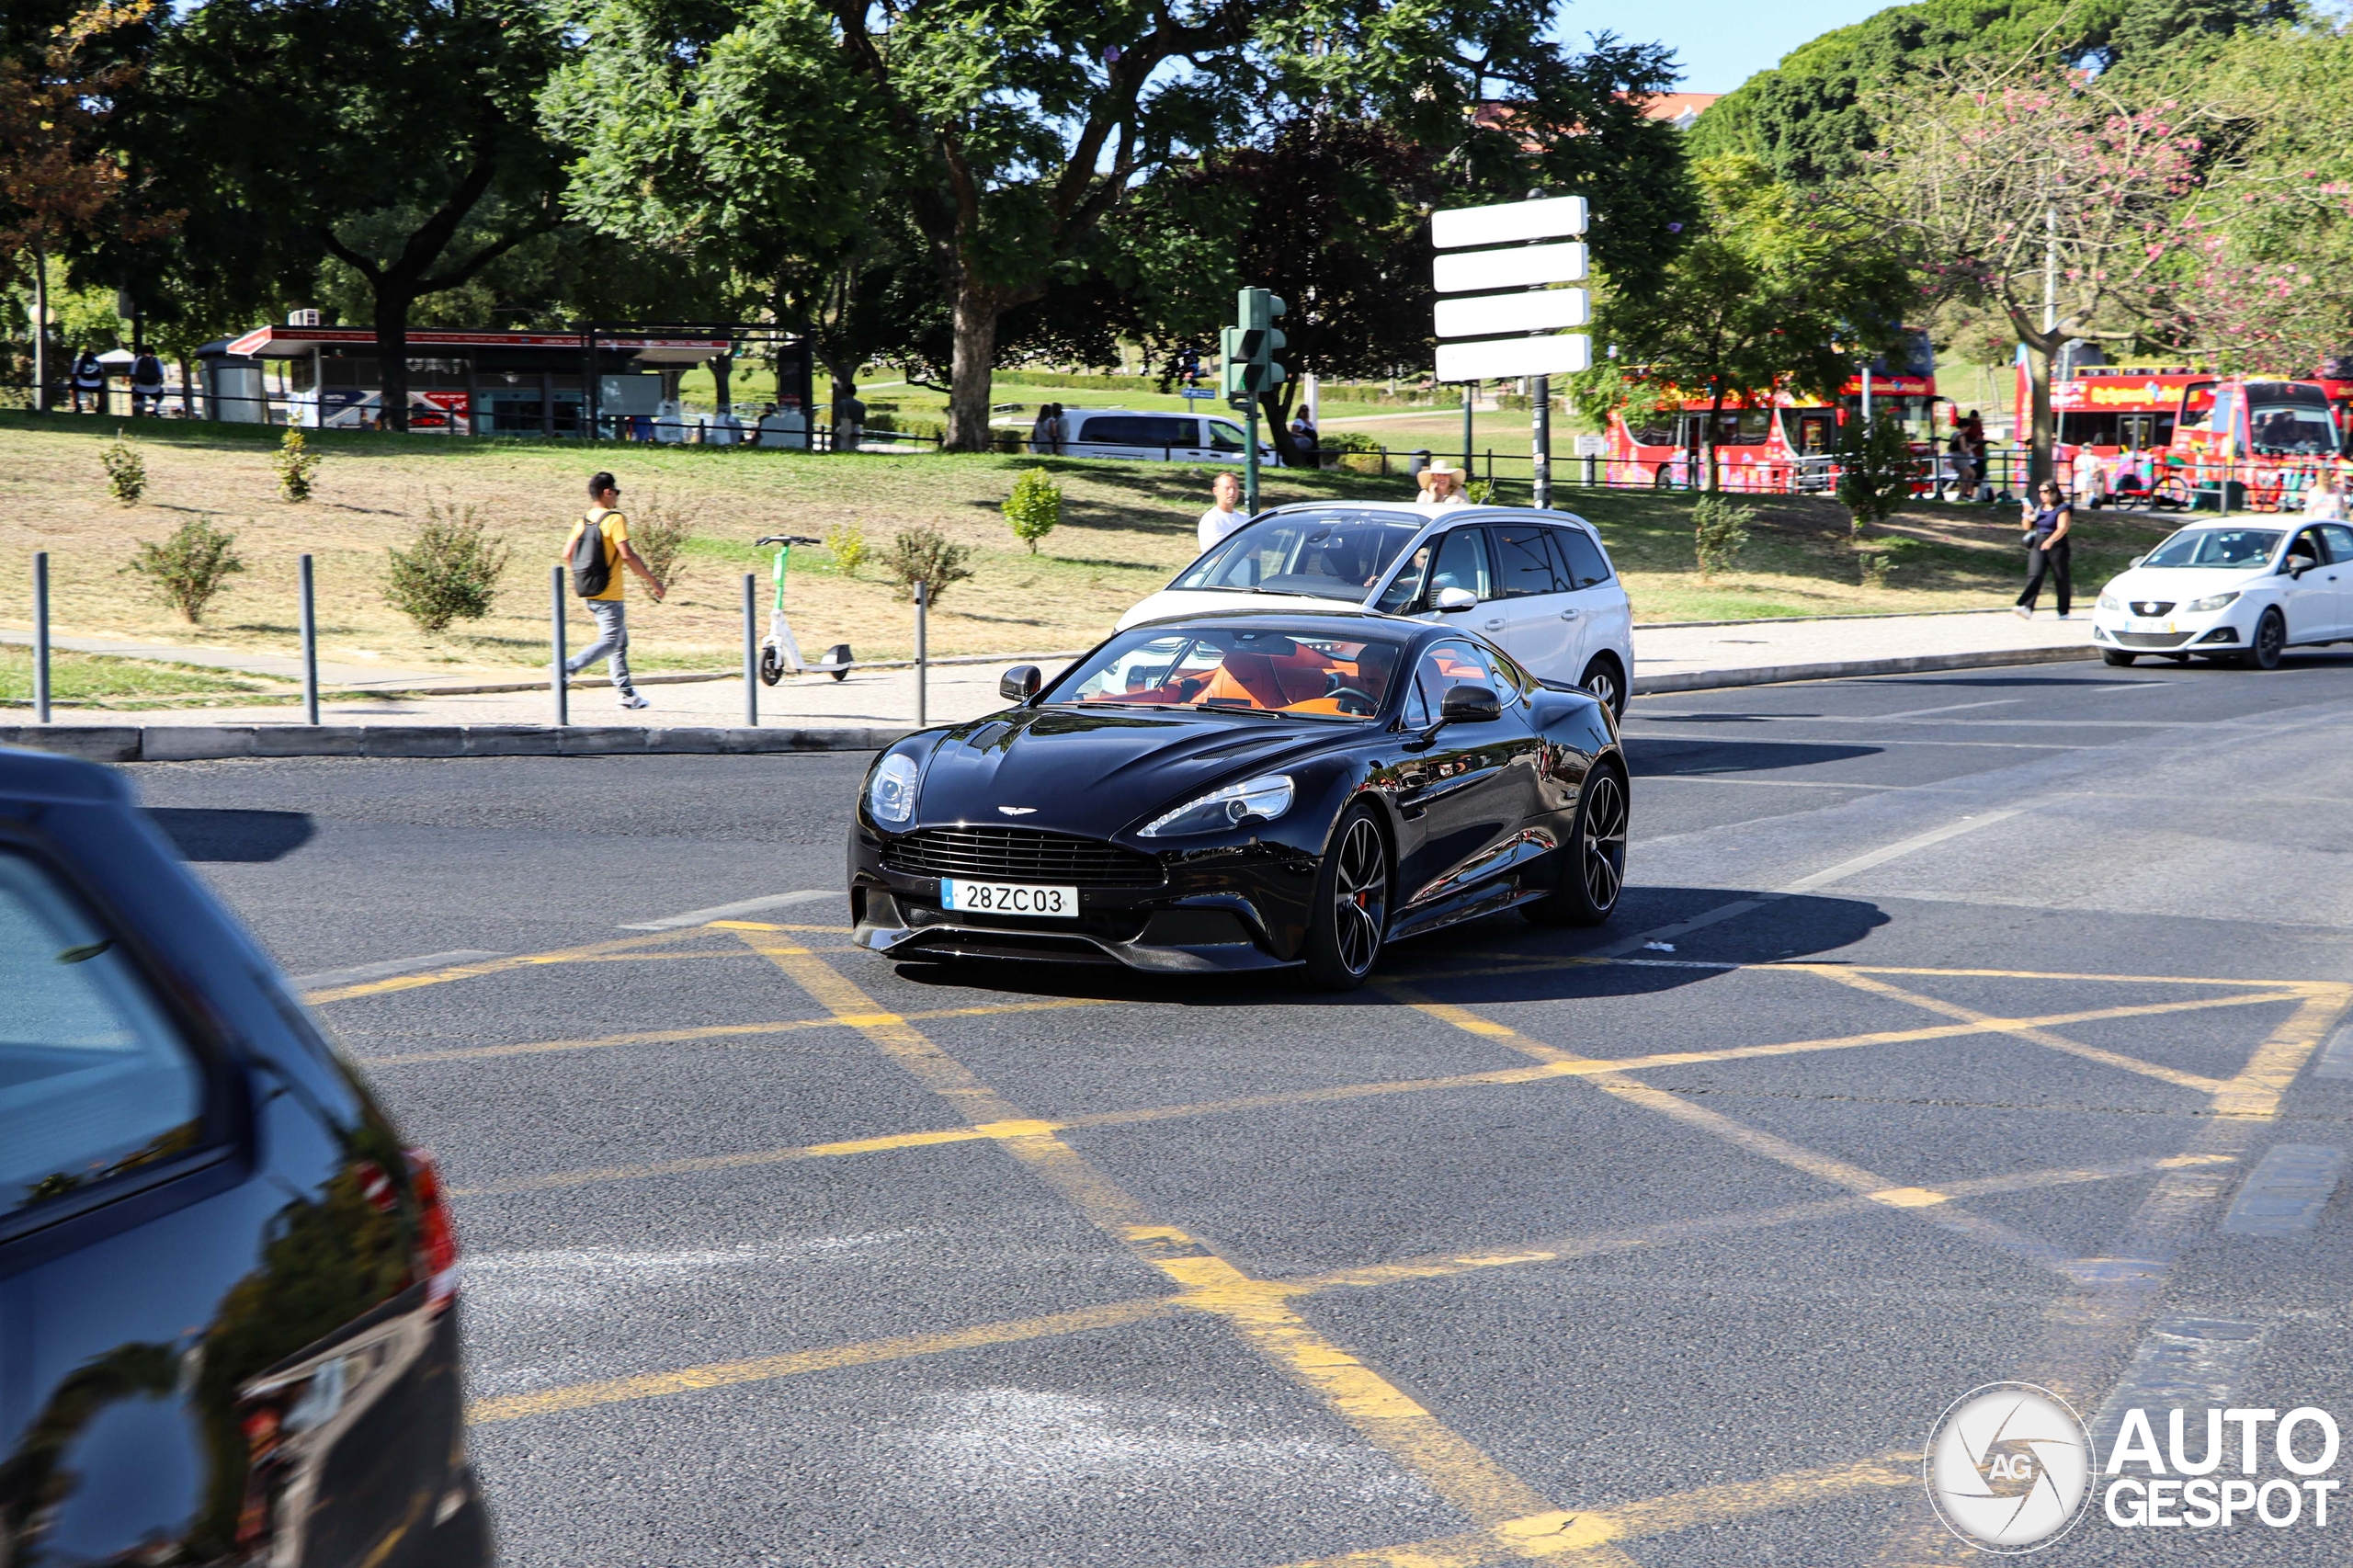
{"points": [[2285, 1193], [2182, 1361], [733, 911], [1947, 707], [1823, 878], [359, 973], [1860, 863]]}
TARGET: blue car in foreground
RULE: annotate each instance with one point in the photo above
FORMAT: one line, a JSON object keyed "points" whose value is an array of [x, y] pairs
{"points": [[228, 1291]]}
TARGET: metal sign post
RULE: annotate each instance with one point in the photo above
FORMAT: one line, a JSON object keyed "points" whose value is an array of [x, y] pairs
{"points": [[310, 646], [40, 637], [751, 651], [923, 662], [559, 676], [1496, 335]]}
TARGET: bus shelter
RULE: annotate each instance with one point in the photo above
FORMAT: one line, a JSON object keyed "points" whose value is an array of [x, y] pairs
{"points": [[618, 378]]}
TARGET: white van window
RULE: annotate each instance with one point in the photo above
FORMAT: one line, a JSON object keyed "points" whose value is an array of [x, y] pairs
{"points": [[1225, 437]]}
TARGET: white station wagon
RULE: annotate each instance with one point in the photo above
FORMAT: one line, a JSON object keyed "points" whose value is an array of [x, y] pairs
{"points": [[1156, 437], [1538, 585]]}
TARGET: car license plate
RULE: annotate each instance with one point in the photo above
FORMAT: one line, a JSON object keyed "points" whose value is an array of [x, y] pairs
{"points": [[2145, 624], [1008, 898]]}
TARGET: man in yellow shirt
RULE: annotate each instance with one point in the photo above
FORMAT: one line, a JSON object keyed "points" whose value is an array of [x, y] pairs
{"points": [[612, 620]]}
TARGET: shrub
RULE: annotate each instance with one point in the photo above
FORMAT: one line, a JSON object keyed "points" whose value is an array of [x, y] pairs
{"points": [[847, 545], [1875, 465], [189, 568], [658, 532], [1034, 508], [1875, 570], [1718, 533], [126, 470], [1480, 492], [296, 463], [1346, 441], [924, 556], [449, 573]]}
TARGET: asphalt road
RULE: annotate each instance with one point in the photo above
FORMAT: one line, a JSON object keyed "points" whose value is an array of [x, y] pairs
{"points": [[1941, 1038]]}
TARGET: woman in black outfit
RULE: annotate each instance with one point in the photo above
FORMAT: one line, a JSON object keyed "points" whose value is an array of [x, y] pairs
{"points": [[2046, 519]]}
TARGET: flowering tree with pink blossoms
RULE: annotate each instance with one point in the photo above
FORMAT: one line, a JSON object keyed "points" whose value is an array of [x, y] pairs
{"points": [[2042, 198]]}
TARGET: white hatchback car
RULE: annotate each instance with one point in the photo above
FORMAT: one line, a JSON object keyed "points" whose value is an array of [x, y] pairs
{"points": [[2234, 591], [1538, 584]]}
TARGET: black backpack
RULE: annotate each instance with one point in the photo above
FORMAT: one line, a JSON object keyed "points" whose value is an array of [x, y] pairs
{"points": [[591, 573]]}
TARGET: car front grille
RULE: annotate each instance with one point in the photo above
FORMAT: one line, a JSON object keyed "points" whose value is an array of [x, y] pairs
{"points": [[2150, 639], [2152, 607], [1019, 855]]}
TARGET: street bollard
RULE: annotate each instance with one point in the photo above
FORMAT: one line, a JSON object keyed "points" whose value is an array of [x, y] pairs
{"points": [[40, 637], [309, 646], [751, 651], [559, 676], [922, 666]]}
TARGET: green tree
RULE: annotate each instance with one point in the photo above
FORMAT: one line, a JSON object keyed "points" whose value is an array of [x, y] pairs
{"points": [[728, 133], [399, 137], [1813, 117], [1774, 290], [1016, 130]]}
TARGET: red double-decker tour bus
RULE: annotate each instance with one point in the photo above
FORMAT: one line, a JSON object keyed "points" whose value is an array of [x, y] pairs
{"points": [[2164, 432], [1780, 444]]}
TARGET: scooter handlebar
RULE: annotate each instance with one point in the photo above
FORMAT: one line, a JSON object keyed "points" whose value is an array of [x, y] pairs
{"points": [[788, 538]]}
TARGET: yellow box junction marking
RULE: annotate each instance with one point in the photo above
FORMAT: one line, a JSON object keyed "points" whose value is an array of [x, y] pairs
{"points": [[1384, 1415]]}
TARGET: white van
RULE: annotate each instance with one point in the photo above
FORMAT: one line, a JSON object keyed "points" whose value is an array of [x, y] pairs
{"points": [[1157, 438]]}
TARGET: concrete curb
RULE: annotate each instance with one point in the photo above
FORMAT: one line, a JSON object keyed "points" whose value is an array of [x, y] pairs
{"points": [[1774, 675], [207, 742]]}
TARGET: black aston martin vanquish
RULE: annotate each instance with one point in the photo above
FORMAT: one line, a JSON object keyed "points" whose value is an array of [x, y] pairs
{"points": [[1243, 791]]}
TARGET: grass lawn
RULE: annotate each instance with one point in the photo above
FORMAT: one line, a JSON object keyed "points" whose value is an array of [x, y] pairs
{"points": [[90, 680], [1126, 528]]}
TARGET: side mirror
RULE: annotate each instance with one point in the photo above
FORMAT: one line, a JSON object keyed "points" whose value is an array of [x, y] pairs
{"points": [[1469, 705], [2138, 559], [1448, 600], [1019, 684]]}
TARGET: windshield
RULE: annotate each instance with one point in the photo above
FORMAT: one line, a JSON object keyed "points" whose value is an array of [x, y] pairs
{"points": [[2215, 547], [2302, 428], [1235, 667], [1329, 556]]}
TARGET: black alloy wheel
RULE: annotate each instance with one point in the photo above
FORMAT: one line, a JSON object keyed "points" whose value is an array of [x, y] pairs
{"points": [[1349, 919], [2117, 656], [1591, 868], [2270, 639], [1603, 683]]}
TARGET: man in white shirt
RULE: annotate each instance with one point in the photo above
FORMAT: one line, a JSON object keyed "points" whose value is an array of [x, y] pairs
{"points": [[1222, 518]]}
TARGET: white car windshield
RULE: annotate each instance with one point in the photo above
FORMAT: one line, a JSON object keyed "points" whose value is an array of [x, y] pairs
{"points": [[1326, 555], [2250, 547]]}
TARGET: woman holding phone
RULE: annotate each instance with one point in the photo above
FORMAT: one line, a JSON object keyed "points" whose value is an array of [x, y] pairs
{"points": [[2046, 519]]}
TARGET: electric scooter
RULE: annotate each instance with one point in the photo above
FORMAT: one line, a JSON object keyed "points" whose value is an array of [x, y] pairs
{"points": [[780, 653]]}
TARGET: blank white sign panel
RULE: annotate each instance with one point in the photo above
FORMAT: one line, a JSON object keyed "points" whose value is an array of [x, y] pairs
{"points": [[1484, 315], [1551, 217], [1467, 271], [1500, 358]]}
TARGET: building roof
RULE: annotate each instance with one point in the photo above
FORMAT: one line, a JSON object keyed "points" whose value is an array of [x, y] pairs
{"points": [[1681, 108], [292, 342]]}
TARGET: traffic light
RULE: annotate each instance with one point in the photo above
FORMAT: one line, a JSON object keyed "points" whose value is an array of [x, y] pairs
{"points": [[1249, 349]]}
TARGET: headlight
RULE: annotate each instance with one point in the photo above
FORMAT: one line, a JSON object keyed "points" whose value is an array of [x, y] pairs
{"points": [[2108, 601], [891, 795], [2211, 601], [1269, 798]]}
